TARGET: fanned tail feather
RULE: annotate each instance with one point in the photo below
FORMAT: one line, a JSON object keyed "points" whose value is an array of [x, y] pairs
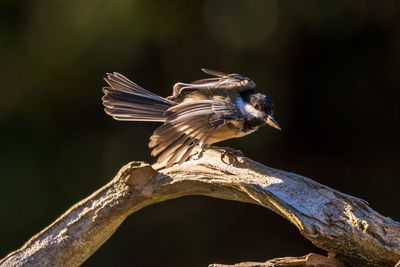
{"points": [[125, 100]]}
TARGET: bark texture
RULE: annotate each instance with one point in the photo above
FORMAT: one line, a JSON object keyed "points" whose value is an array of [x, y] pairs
{"points": [[311, 259], [341, 224]]}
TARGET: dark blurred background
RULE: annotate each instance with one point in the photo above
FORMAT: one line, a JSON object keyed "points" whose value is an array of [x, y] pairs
{"points": [[331, 67]]}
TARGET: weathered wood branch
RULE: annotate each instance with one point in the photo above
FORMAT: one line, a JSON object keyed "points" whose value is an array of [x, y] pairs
{"points": [[336, 222], [307, 260]]}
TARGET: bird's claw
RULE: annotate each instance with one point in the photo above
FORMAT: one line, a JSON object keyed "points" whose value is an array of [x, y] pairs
{"points": [[230, 153]]}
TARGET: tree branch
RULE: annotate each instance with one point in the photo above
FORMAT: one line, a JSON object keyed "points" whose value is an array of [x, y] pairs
{"points": [[336, 222], [307, 260]]}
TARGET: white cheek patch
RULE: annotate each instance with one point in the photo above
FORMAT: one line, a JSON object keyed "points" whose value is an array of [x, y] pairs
{"points": [[247, 109], [251, 110]]}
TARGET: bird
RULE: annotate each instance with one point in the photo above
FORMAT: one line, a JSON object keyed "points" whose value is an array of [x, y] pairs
{"points": [[197, 114]]}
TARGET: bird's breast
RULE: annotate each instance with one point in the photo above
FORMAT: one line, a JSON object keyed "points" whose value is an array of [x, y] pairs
{"points": [[233, 129]]}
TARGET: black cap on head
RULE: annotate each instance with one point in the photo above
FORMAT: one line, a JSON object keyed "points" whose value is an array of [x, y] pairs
{"points": [[262, 103], [259, 101]]}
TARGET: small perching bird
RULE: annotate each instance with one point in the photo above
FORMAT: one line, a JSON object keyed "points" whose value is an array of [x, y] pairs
{"points": [[197, 114]]}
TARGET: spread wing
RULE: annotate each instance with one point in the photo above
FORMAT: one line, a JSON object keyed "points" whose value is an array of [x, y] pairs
{"points": [[188, 125], [221, 82]]}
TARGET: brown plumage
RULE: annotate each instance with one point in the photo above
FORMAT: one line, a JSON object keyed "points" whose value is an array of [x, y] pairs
{"points": [[197, 114]]}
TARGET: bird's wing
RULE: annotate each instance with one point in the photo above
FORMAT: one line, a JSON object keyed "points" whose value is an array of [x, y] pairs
{"points": [[188, 125], [221, 81]]}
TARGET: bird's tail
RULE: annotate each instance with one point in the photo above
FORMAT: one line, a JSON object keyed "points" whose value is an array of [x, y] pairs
{"points": [[127, 101]]}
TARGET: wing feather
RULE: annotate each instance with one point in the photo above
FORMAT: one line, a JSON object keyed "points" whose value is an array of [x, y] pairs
{"points": [[164, 141], [214, 72], [182, 149], [219, 84], [188, 125], [189, 149]]}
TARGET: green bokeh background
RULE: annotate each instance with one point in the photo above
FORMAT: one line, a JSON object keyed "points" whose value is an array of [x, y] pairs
{"points": [[332, 69]]}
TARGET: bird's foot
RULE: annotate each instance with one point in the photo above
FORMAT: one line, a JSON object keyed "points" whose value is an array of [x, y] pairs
{"points": [[229, 150], [230, 153]]}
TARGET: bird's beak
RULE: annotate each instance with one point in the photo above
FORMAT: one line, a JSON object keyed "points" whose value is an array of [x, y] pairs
{"points": [[271, 122]]}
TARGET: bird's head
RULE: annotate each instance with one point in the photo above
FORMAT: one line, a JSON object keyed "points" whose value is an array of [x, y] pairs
{"points": [[263, 108]]}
